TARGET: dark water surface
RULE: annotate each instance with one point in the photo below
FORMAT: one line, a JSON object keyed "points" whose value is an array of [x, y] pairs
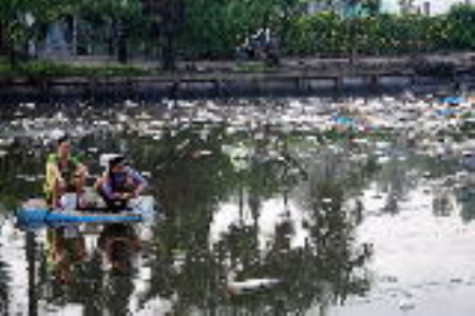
{"points": [[337, 218]]}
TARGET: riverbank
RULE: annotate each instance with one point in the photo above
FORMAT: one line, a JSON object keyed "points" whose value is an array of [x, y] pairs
{"points": [[104, 78]]}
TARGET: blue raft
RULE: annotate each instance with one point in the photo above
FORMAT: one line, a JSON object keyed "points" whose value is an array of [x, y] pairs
{"points": [[35, 213]]}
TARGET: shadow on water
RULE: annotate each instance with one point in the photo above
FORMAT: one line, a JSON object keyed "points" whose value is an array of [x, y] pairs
{"points": [[4, 278], [283, 198]]}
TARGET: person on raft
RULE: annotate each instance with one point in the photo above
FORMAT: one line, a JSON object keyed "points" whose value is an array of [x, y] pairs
{"points": [[119, 184], [64, 173]]}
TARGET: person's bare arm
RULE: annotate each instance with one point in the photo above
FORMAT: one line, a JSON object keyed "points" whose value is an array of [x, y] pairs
{"points": [[53, 170], [98, 183], [139, 189], [139, 181], [81, 170]]}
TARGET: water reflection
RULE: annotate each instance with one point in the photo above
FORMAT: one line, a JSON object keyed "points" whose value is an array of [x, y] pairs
{"points": [[87, 269], [119, 245], [119, 248], [236, 204], [466, 196], [65, 252], [4, 289]]}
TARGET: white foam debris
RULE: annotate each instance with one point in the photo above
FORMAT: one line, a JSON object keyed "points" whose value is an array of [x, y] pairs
{"points": [[249, 285]]}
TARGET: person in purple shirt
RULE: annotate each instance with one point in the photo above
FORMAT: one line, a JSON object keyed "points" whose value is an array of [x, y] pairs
{"points": [[119, 184]]}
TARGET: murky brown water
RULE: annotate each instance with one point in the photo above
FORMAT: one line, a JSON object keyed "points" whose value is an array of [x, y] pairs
{"points": [[344, 220]]}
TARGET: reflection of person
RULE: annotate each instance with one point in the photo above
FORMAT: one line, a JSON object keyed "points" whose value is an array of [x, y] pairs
{"points": [[120, 245], [119, 184], [64, 173], [66, 247]]}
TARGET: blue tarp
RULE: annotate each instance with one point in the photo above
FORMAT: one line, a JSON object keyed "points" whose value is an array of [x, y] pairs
{"points": [[343, 120], [453, 100]]}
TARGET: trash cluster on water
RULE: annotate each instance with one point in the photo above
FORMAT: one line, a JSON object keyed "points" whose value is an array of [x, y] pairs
{"points": [[438, 125]]}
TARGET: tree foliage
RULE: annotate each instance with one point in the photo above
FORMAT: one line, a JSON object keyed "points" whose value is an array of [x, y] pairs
{"points": [[227, 23], [212, 29], [117, 21], [20, 20], [327, 34]]}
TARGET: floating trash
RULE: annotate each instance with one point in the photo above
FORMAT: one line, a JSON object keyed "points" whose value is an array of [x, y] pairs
{"points": [[251, 285], [453, 100], [406, 305]]}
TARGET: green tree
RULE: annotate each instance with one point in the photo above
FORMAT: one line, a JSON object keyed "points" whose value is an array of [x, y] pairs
{"points": [[13, 26], [20, 21], [168, 21], [461, 26], [228, 23], [372, 7], [117, 19]]}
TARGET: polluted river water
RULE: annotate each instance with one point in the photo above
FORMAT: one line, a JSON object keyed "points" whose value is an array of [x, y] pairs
{"points": [[262, 207]]}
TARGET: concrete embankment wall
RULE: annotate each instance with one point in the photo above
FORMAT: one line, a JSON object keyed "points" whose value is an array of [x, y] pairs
{"points": [[209, 85]]}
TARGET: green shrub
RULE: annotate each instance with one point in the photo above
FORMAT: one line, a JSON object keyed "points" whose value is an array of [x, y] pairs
{"points": [[46, 69]]}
